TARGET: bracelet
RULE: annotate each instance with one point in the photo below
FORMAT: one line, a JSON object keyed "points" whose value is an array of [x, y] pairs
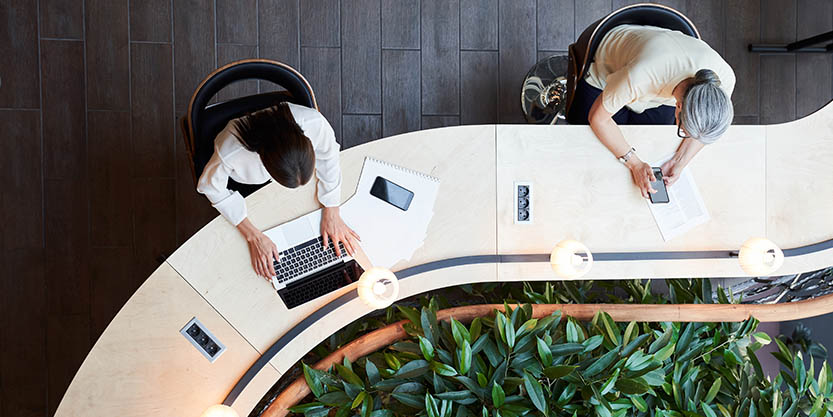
{"points": [[627, 156]]}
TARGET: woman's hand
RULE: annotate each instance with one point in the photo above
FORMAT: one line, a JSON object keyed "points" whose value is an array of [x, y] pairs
{"points": [[642, 175], [671, 170], [261, 249], [333, 228]]}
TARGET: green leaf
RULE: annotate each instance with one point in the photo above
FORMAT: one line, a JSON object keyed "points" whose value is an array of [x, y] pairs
{"points": [[465, 358], [630, 332], [559, 371], [707, 410], [715, 388], [313, 381], [411, 400], [348, 375], [318, 412], [632, 386], [428, 322], [665, 353], [565, 349], [572, 332], [373, 376], [661, 342], [612, 329], [476, 326], [685, 338], [335, 398], [535, 392], [431, 406], [592, 343], [639, 403], [427, 348], [443, 369], [762, 337], [510, 333], [527, 327], [454, 395], [413, 369], [410, 313], [498, 396], [459, 332], [482, 380], [301, 408], [601, 364], [367, 406], [382, 413], [610, 382], [358, 400], [392, 361], [500, 325], [544, 352]]}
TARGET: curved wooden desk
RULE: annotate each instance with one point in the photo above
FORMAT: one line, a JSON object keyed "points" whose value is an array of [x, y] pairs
{"points": [[772, 181]]}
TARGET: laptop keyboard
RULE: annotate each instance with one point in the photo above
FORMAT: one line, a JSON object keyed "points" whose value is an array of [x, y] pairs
{"points": [[320, 283], [306, 257]]}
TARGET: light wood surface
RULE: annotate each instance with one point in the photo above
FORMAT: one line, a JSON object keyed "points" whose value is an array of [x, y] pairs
{"points": [[748, 180], [142, 366]]}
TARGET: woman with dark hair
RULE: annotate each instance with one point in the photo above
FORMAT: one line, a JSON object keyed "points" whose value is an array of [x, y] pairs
{"points": [[285, 143]]}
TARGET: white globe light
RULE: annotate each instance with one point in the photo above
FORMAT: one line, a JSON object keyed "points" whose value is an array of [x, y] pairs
{"points": [[220, 410], [571, 259], [378, 287], [760, 257]]}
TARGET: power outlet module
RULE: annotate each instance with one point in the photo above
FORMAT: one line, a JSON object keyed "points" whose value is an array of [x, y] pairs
{"points": [[523, 202]]}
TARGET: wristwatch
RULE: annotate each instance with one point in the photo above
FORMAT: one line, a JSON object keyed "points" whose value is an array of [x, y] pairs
{"points": [[624, 158]]}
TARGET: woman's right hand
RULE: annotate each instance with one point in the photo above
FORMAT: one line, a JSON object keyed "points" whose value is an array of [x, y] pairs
{"points": [[261, 249], [642, 176]]}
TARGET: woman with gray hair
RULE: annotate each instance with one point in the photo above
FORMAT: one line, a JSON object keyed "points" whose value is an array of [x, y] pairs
{"points": [[652, 75]]}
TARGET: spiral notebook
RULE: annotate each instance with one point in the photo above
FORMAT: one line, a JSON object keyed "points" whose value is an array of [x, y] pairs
{"points": [[389, 234]]}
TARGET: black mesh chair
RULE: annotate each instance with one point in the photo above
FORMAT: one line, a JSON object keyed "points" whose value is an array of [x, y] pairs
{"points": [[203, 122], [582, 52]]}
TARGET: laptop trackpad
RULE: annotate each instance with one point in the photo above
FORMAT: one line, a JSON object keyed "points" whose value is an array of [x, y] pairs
{"points": [[298, 231]]}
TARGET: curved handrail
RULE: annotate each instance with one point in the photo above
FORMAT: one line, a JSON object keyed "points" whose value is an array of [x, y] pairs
{"points": [[378, 339], [480, 259]]}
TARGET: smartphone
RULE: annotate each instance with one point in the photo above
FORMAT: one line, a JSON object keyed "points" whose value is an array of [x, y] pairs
{"points": [[661, 196], [391, 193]]}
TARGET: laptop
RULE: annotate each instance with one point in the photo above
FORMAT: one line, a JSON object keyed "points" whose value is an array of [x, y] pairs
{"points": [[306, 270]]}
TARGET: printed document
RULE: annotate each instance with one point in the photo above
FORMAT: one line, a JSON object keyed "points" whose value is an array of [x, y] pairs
{"points": [[684, 211]]}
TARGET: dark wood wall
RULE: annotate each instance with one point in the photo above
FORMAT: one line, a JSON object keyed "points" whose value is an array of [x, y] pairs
{"points": [[96, 184]]}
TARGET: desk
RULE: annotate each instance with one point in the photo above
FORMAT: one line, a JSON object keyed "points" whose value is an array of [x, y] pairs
{"points": [[772, 181]]}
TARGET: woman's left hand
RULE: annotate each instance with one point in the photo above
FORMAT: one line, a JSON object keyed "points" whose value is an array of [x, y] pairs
{"points": [[333, 228], [671, 170]]}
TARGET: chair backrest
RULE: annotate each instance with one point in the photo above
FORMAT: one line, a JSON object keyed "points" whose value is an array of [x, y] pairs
{"points": [[581, 52], [203, 122]]}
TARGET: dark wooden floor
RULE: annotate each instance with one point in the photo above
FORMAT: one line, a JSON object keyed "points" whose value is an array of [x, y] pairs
{"points": [[97, 189]]}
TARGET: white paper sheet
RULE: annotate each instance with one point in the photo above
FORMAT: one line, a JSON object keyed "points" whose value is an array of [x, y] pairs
{"points": [[389, 234], [684, 211]]}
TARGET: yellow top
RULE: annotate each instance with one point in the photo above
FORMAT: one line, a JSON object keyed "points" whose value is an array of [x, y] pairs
{"points": [[639, 66]]}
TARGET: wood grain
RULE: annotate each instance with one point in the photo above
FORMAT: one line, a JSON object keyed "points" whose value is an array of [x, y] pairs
{"points": [[517, 55], [320, 23], [556, 24], [359, 129], [152, 113], [322, 69], [150, 21], [64, 134], [478, 24], [400, 74], [111, 218], [400, 24], [21, 203], [440, 58], [61, 19], [278, 36], [237, 21], [479, 84], [108, 54], [19, 47], [361, 57]]}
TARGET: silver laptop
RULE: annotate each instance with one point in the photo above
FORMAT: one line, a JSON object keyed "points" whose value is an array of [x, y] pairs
{"points": [[302, 253]]}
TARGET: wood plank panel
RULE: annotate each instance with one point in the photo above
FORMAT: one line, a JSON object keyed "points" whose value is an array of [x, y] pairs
{"points": [[21, 203], [321, 67], [194, 56], [589, 12], [400, 24], [151, 112], [320, 23], [517, 55], [231, 53], [743, 26], [679, 5], [432, 122], [778, 18], [150, 20], [61, 19], [708, 17], [400, 74], [111, 218], [64, 115], [361, 57], [154, 224], [67, 237], [556, 24], [360, 128], [777, 88], [278, 31], [440, 57], [478, 24], [193, 210], [479, 83], [110, 287], [236, 21], [108, 54], [814, 85], [67, 344], [19, 49], [22, 365]]}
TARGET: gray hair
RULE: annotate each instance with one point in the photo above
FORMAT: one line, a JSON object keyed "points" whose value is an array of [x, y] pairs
{"points": [[707, 110]]}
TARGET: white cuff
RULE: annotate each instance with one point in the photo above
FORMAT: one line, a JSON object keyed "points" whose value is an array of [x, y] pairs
{"points": [[233, 208]]}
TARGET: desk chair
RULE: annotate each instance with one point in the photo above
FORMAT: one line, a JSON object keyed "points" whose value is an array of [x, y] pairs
{"points": [[204, 121], [581, 52]]}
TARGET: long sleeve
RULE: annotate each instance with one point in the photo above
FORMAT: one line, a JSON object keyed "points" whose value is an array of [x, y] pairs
{"points": [[327, 168], [212, 184]]}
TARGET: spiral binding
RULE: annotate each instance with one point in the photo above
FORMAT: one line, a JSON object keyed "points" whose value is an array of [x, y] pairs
{"points": [[410, 171]]}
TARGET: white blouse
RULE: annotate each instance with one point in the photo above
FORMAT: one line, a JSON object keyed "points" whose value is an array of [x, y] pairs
{"points": [[232, 160]]}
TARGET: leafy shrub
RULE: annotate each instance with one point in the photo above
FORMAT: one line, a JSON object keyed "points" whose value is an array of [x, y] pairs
{"points": [[511, 364]]}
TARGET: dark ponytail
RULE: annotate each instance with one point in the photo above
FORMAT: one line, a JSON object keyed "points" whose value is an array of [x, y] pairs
{"points": [[284, 150]]}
